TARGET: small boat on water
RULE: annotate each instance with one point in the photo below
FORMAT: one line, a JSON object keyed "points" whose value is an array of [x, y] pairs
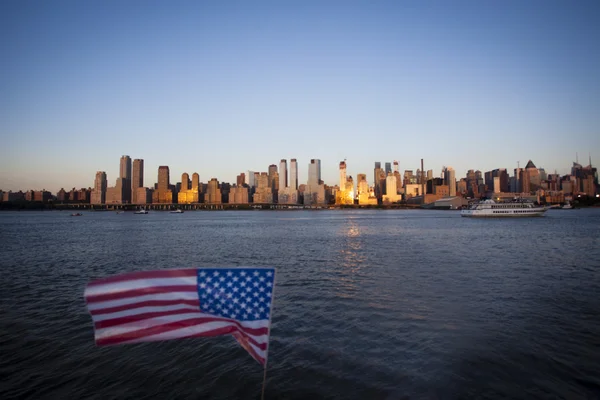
{"points": [[141, 211], [76, 215], [567, 206], [491, 209], [178, 211]]}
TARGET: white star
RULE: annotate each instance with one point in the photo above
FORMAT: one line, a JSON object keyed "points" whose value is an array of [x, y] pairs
{"points": [[212, 311], [243, 273], [235, 278], [255, 304], [255, 294], [269, 284], [262, 279], [229, 284], [222, 279], [203, 285], [217, 284], [218, 306], [202, 273], [224, 312], [256, 315], [216, 273], [248, 299], [248, 278], [209, 290], [235, 300], [243, 305], [268, 315], [262, 299], [203, 295], [255, 273], [245, 316], [248, 289], [222, 301], [221, 290], [242, 284], [255, 284], [262, 289], [268, 294], [209, 279], [249, 309], [262, 309], [229, 273], [269, 273], [229, 295], [235, 289]]}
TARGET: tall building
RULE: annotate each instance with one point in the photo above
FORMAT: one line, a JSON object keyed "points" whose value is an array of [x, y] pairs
{"points": [[163, 193], [273, 178], [314, 172], [365, 194], [398, 177], [137, 180], [450, 180], [293, 174], [250, 179], [346, 193], [379, 180], [238, 195], [99, 191], [314, 191], [263, 193], [213, 192], [391, 195], [241, 179], [388, 168], [125, 175], [187, 194], [283, 177]]}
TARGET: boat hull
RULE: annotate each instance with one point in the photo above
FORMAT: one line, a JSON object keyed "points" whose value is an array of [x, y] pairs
{"points": [[511, 214]]}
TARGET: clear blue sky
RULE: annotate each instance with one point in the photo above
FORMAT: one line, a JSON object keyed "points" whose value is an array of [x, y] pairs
{"points": [[221, 87]]}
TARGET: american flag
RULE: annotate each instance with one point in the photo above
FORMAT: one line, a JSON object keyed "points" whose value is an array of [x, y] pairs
{"points": [[182, 303]]}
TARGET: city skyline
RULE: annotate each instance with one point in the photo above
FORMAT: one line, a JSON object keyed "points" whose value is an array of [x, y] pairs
{"points": [[149, 176], [230, 87]]}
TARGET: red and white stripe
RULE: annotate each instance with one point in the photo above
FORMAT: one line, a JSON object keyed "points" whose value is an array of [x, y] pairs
{"points": [[161, 305]]}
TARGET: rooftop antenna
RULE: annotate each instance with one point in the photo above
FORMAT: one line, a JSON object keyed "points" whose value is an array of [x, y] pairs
{"points": [[518, 164], [576, 157], [590, 155]]}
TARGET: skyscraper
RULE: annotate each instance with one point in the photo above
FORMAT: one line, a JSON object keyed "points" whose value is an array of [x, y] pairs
{"points": [[125, 175], [99, 191], [388, 168], [137, 180], [283, 177], [314, 172], [163, 192], [294, 174], [185, 181], [450, 180]]}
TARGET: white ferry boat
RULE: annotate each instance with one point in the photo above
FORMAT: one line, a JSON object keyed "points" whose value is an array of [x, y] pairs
{"points": [[141, 211], [492, 209]]}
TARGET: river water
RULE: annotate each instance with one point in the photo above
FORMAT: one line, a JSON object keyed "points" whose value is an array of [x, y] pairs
{"points": [[369, 304]]}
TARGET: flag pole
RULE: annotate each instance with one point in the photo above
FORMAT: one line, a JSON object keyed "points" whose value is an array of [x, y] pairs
{"points": [[262, 395]]}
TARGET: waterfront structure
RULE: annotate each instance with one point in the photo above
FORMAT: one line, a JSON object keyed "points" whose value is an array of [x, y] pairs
{"points": [[238, 195], [213, 192], [99, 192], [163, 193], [143, 195], [137, 179], [391, 195]]}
